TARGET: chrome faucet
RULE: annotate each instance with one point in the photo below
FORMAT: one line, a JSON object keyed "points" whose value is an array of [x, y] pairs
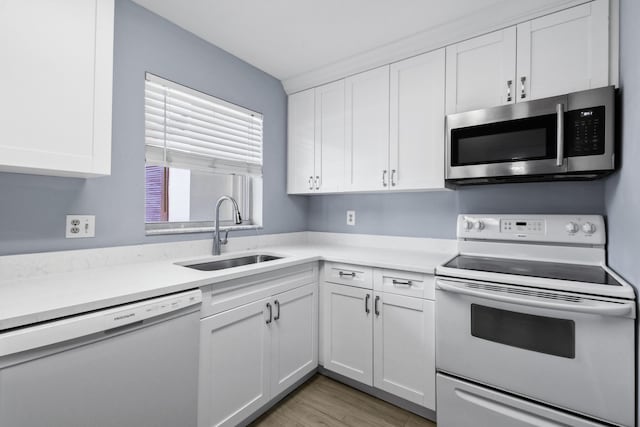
{"points": [[237, 219]]}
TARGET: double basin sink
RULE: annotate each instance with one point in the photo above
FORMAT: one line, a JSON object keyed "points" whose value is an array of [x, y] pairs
{"points": [[231, 262]]}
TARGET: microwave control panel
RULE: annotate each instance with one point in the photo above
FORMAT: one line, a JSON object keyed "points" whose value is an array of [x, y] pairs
{"points": [[584, 132]]}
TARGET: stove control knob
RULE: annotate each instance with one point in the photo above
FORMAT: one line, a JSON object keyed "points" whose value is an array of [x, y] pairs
{"points": [[479, 225], [467, 225], [572, 227], [588, 228]]}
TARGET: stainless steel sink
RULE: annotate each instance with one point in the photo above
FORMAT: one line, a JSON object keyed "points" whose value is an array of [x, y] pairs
{"points": [[232, 262]]}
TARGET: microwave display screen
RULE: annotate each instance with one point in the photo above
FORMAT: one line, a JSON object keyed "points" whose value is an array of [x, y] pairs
{"points": [[510, 141]]}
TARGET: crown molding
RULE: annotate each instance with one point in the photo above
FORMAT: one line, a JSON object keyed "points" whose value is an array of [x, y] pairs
{"points": [[504, 14]]}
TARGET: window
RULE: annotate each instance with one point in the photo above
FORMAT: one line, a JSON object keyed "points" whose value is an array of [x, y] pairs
{"points": [[199, 148]]}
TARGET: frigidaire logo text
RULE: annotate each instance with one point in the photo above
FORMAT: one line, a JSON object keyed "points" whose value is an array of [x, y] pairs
{"points": [[124, 316]]}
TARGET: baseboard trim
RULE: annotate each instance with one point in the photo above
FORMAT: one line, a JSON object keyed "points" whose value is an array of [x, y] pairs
{"points": [[273, 402], [382, 395]]}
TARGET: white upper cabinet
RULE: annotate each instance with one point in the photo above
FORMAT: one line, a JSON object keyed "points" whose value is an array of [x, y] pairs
{"points": [[301, 144], [481, 71], [57, 66], [564, 52], [316, 140], [329, 137], [367, 136], [416, 146], [384, 129]]}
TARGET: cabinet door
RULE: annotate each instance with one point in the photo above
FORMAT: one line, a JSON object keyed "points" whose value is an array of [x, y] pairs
{"points": [[55, 108], [294, 336], [404, 352], [417, 122], [367, 124], [301, 142], [348, 340], [481, 72], [564, 52], [329, 152], [235, 351]]}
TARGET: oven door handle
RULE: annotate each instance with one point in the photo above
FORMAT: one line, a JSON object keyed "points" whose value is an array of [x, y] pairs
{"points": [[603, 308]]}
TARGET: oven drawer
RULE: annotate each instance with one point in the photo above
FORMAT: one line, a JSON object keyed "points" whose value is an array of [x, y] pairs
{"points": [[565, 350], [348, 274], [461, 403]]}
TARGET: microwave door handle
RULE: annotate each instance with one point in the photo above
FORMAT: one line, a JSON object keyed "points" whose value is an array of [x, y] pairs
{"points": [[560, 135], [605, 309]]}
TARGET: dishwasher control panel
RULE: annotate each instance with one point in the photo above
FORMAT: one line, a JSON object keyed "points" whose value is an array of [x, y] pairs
{"points": [[147, 309]]}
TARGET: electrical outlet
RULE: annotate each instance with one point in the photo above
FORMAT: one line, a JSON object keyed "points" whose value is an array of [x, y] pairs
{"points": [[351, 217], [80, 226]]}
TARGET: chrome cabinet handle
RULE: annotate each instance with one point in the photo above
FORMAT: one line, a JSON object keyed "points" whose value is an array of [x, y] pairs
{"points": [[366, 304], [560, 136], [317, 182], [343, 274], [402, 282], [270, 313], [509, 84], [375, 305], [384, 178], [523, 93], [393, 174], [277, 304], [310, 183]]}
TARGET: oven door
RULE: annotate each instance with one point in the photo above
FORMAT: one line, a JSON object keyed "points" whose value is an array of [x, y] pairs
{"points": [[520, 139], [565, 350]]}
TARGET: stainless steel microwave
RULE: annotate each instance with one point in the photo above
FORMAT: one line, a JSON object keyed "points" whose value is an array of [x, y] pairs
{"points": [[567, 137]]}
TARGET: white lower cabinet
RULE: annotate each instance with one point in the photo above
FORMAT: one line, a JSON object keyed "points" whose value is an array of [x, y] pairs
{"points": [[404, 348], [294, 335], [235, 360], [251, 353], [348, 335], [381, 333]]}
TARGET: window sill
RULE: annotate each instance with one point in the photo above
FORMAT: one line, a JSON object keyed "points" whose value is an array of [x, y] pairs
{"points": [[189, 228]]}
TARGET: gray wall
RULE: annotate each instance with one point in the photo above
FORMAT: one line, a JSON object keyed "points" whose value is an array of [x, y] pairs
{"points": [[623, 188], [33, 208], [434, 214]]}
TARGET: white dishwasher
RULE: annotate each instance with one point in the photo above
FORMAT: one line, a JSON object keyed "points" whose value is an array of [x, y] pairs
{"points": [[132, 365]]}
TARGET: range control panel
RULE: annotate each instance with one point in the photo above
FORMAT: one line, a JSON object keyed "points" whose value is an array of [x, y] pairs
{"points": [[577, 229]]}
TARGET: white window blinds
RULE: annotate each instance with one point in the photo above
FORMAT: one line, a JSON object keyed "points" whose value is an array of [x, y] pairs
{"points": [[192, 130]]}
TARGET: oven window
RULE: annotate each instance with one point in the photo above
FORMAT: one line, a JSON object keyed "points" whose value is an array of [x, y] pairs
{"points": [[536, 333], [510, 141]]}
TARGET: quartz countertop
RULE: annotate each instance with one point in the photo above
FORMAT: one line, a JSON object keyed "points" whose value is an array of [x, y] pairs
{"points": [[30, 300]]}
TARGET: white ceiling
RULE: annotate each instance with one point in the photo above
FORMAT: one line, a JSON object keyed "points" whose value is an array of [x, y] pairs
{"points": [[286, 38]]}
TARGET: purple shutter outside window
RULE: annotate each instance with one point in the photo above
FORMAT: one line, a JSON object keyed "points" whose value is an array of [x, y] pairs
{"points": [[154, 193]]}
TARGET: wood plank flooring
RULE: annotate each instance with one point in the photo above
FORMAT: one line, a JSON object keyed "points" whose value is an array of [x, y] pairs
{"points": [[325, 402]]}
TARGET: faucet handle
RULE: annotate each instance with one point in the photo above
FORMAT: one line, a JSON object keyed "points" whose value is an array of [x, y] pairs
{"points": [[226, 239]]}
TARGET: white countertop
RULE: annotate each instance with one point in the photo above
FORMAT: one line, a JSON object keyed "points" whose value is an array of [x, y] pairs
{"points": [[45, 297]]}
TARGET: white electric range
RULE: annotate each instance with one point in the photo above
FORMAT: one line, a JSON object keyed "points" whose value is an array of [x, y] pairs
{"points": [[532, 328]]}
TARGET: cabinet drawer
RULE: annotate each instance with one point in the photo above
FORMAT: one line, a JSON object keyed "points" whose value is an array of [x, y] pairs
{"points": [[405, 283], [347, 274]]}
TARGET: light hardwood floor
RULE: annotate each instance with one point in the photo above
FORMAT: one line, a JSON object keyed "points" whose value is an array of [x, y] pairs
{"points": [[325, 402]]}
